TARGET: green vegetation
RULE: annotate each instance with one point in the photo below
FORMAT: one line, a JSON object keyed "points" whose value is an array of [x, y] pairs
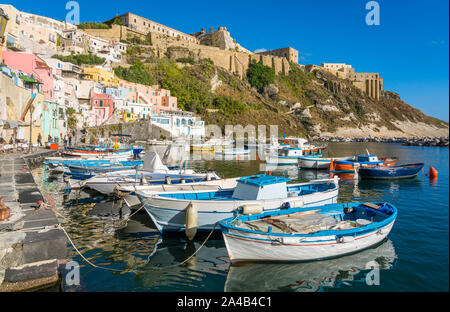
{"points": [[259, 75], [228, 106], [137, 73], [71, 118], [93, 25], [137, 40], [117, 21], [186, 60], [79, 59]]}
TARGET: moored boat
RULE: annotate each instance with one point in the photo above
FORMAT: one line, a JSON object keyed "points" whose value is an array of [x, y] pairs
{"points": [[255, 193], [299, 234], [363, 161], [308, 162], [392, 172]]}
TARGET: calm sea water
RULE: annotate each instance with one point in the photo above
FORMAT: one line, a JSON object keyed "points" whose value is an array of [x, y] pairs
{"points": [[415, 257]]}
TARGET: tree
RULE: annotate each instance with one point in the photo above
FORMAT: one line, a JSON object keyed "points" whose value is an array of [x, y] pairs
{"points": [[259, 75], [117, 21]]}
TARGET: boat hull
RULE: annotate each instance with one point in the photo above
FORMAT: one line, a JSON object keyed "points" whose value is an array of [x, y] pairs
{"points": [[392, 172], [318, 162], [260, 248], [169, 215], [245, 244]]}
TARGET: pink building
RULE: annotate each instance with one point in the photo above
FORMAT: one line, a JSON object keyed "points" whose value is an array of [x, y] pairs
{"points": [[160, 100], [32, 65], [102, 108]]}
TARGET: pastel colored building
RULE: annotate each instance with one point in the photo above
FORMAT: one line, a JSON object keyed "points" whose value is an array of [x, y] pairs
{"points": [[128, 117], [102, 108], [100, 75], [180, 124], [160, 100], [50, 121], [32, 65]]}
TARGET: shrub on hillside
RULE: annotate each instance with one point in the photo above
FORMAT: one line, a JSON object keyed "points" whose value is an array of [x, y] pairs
{"points": [[259, 75], [79, 59], [137, 73], [93, 25]]}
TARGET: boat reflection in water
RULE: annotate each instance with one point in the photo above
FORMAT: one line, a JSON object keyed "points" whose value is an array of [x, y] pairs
{"points": [[310, 276], [172, 266]]}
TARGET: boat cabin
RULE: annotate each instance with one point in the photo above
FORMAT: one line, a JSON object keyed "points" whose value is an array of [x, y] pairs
{"points": [[260, 187], [366, 158]]}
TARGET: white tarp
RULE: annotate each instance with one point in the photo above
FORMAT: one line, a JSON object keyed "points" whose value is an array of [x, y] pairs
{"points": [[152, 162], [174, 155]]}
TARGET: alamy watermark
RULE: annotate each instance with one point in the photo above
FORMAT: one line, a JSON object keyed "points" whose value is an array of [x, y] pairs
{"points": [[373, 16], [73, 16]]}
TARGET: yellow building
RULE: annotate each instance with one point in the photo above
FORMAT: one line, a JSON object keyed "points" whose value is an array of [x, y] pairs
{"points": [[128, 117], [100, 75]]}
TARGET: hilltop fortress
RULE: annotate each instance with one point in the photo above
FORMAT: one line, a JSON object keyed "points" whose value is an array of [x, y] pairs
{"points": [[217, 45], [223, 50]]}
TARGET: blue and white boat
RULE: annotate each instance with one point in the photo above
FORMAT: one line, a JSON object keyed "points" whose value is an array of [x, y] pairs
{"points": [[393, 172], [153, 172], [170, 210], [308, 162], [299, 234], [289, 155]]}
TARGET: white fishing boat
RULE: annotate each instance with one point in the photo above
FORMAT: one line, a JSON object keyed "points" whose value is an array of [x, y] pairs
{"points": [[299, 234], [289, 155], [212, 145], [153, 172], [129, 191], [171, 211], [233, 151], [308, 162]]}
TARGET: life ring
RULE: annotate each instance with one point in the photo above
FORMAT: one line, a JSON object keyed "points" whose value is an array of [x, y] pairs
{"points": [[286, 142]]}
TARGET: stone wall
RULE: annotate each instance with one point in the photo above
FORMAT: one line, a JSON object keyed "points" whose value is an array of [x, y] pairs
{"points": [[164, 45]]}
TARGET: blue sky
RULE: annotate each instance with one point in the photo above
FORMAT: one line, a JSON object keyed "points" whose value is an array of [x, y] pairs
{"points": [[409, 48]]}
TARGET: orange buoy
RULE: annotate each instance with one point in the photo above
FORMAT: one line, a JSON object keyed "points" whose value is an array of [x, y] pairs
{"points": [[269, 172], [433, 173], [332, 165]]}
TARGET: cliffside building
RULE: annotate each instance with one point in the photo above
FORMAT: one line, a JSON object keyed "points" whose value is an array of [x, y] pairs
{"points": [[370, 83], [289, 53], [144, 25]]}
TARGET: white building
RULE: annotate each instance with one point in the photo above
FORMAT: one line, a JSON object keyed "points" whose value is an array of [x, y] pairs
{"points": [[180, 124]]}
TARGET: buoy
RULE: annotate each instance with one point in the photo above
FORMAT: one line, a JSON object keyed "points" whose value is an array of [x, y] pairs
{"points": [[433, 173], [269, 172], [252, 209], [191, 221], [332, 165]]}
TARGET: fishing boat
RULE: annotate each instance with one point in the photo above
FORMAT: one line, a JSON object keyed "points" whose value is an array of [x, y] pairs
{"points": [[171, 210], [299, 234], [363, 161], [110, 153], [61, 164], [212, 145], [392, 172], [153, 172], [84, 173], [308, 162], [288, 156], [294, 149], [233, 151], [128, 192]]}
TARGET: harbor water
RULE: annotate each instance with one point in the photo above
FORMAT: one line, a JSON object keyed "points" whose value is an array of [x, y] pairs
{"points": [[413, 258]]}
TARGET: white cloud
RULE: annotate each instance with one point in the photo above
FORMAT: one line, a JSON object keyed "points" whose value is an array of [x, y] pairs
{"points": [[259, 50]]}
